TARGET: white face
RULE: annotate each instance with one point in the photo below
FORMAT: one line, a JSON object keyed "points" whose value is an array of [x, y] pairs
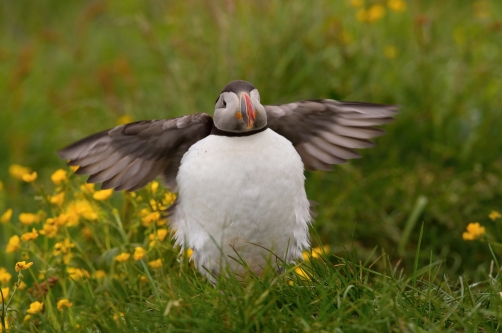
{"points": [[239, 112]]}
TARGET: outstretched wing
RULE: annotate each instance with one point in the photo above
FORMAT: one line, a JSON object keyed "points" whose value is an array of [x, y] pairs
{"points": [[129, 156], [326, 132]]}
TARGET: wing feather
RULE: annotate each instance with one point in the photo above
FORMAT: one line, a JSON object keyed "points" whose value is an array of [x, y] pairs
{"points": [[326, 132], [129, 156]]}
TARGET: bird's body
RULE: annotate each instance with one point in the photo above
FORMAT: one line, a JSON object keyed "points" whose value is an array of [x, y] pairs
{"points": [[260, 213], [239, 174]]}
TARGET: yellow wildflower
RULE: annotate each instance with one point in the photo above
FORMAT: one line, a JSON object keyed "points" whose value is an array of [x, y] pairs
{"points": [[77, 273], [28, 236], [86, 232], [161, 235], [375, 13], [18, 171], [22, 265], [116, 316], [29, 177], [5, 292], [58, 199], [474, 231], [300, 271], [29, 218], [27, 318], [59, 176], [80, 208], [22, 285], [397, 5], [4, 275], [316, 252], [139, 253], [63, 247], [155, 263], [494, 215], [35, 307], [6, 216], [50, 229], [89, 188], [99, 274], [169, 198], [356, 3], [152, 217], [189, 253], [390, 51], [74, 168], [62, 303], [103, 194], [124, 256], [14, 244], [154, 186], [125, 119], [143, 279]]}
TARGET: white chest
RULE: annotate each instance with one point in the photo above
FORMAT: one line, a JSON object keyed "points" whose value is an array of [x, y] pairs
{"points": [[244, 195]]}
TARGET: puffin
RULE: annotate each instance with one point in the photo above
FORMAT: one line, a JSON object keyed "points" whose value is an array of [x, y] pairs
{"points": [[241, 205]]}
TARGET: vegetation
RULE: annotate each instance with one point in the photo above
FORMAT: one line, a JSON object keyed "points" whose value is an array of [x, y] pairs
{"points": [[406, 239]]}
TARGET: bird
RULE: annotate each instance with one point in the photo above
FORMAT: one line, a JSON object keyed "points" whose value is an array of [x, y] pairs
{"points": [[241, 203]]}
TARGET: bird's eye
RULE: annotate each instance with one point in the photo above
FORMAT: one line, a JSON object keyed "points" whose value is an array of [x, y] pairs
{"points": [[224, 104]]}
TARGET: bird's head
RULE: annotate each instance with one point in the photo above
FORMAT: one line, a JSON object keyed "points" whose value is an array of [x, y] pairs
{"points": [[238, 108]]}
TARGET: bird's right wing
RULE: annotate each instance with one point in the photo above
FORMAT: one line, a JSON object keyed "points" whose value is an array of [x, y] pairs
{"points": [[129, 156]]}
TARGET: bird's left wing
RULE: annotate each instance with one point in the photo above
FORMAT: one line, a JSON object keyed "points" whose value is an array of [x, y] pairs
{"points": [[326, 132], [129, 156]]}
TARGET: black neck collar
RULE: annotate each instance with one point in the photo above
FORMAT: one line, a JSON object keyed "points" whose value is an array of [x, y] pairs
{"points": [[217, 131]]}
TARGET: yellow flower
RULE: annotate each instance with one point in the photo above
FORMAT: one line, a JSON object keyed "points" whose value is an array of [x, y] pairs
{"points": [[139, 253], [99, 274], [143, 279], [474, 231], [27, 318], [89, 188], [494, 215], [29, 177], [154, 186], [4, 275], [152, 217], [50, 229], [18, 171], [62, 303], [35, 307], [22, 265], [155, 263], [22, 285], [390, 51], [161, 235], [375, 13], [63, 247], [14, 244], [316, 252], [124, 256], [116, 316], [103, 194], [77, 273], [28, 236], [169, 198], [356, 3], [125, 119], [58, 199], [300, 271], [80, 208], [397, 5], [74, 167], [189, 253], [5, 292], [59, 176], [86, 232], [29, 218], [6, 216]]}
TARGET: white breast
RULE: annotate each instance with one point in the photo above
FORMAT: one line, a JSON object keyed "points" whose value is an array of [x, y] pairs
{"points": [[244, 195]]}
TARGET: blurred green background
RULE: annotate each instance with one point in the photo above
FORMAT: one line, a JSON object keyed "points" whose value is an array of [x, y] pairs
{"points": [[72, 68]]}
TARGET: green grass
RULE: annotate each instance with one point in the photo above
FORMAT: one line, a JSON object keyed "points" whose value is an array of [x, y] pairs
{"points": [[70, 69]]}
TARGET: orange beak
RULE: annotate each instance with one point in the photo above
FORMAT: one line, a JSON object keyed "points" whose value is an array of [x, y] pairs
{"points": [[247, 111]]}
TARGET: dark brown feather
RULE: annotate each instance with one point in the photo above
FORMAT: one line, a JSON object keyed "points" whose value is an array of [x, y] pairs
{"points": [[129, 156]]}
